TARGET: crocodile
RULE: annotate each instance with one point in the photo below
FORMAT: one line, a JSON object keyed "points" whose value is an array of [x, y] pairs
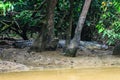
{"points": [[23, 43], [93, 45], [61, 44], [85, 44]]}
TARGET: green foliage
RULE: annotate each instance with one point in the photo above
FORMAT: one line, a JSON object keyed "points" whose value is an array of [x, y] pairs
{"points": [[63, 8], [5, 7], [64, 4], [103, 14], [109, 23], [19, 21], [24, 17]]}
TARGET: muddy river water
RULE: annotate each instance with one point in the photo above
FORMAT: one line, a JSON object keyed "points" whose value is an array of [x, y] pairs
{"points": [[65, 74]]}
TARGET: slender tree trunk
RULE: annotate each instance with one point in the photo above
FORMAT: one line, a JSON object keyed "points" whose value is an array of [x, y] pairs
{"points": [[45, 40], [68, 32], [73, 46]]}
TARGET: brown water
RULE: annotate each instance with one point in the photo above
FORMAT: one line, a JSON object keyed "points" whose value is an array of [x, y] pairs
{"points": [[69, 74]]}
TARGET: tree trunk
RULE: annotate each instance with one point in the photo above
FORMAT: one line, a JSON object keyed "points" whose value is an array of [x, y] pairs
{"points": [[46, 40], [68, 32], [50, 24], [73, 46], [116, 50]]}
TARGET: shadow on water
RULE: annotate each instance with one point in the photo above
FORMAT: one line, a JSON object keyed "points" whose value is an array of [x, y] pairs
{"points": [[66, 74]]}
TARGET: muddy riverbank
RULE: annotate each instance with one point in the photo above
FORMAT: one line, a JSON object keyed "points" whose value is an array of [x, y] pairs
{"points": [[21, 60]]}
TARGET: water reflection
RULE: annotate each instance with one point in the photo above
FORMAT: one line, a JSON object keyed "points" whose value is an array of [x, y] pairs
{"points": [[71, 74]]}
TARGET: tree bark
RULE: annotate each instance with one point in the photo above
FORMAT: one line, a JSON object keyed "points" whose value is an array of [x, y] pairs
{"points": [[50, 17], [46, 40], [73, 46], [116, 50], [68, 32]]}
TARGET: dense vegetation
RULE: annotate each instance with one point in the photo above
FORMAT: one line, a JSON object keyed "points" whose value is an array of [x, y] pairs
{"points": [[57, 19]]}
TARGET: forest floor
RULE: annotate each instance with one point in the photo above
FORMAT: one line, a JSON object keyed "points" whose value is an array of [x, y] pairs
{"points": [[13, 59]]}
